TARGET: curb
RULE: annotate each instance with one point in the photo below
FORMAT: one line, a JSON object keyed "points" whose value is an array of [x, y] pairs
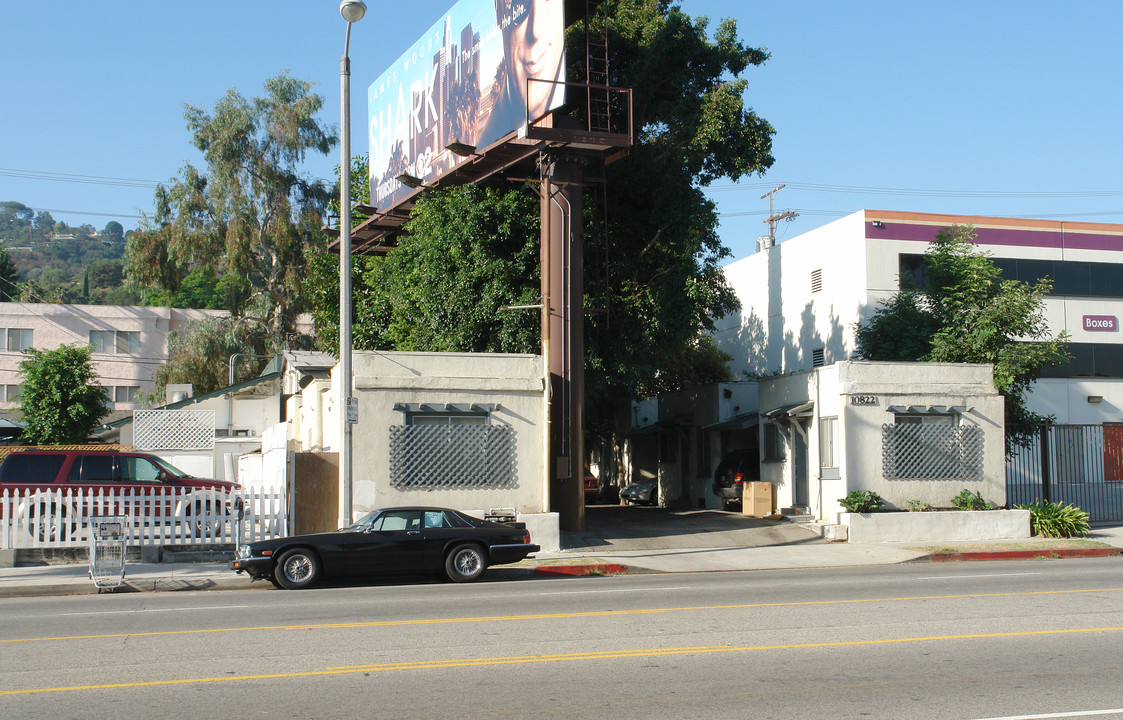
{"points": [[580, 570], [1024, 554]]}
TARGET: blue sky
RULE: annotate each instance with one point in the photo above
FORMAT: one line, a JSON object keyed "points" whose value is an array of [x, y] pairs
{"points": [[999, 107]]}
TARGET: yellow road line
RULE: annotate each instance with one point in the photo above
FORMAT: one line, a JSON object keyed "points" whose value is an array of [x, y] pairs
{"points": [[548, 616], [565, 657]]}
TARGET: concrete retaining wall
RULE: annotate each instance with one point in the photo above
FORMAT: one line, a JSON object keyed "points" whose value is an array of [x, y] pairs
{"points": [[935, 527]]}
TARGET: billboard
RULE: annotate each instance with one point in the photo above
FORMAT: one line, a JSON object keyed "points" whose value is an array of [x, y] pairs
{"points": [[474, 77]]}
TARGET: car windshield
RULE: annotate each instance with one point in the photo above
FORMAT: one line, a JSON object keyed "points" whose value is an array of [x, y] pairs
{"points": [[362, 522], [169, 468]]}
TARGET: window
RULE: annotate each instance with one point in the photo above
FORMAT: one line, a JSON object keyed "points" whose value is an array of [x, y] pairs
{"points": [[773, 443], [1103, 360], [139, 470], [17, 339], [1073, 278], [12, 393], [703, 453], [392, 520], [117, 342], [125, 393], [828, 443]]}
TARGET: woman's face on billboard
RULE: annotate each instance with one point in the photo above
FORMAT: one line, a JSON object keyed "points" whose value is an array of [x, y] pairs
{"points": [[535, 45]]}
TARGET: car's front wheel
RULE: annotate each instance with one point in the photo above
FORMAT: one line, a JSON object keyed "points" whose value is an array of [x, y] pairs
{"points": [[296, 569], [465, 563]]}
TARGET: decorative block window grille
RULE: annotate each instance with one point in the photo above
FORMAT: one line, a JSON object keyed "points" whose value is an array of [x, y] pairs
{"points": [[433, 456], [173, 429], [931, 451]]}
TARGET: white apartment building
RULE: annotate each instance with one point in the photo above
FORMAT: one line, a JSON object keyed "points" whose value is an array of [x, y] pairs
{"points": [[802, 298], [129, 343]]}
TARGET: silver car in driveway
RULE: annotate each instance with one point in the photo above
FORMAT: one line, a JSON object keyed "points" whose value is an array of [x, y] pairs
{"points": [[644, 492]]}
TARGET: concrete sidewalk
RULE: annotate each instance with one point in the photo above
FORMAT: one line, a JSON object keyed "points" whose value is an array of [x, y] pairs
{"points": [[801, 549]]}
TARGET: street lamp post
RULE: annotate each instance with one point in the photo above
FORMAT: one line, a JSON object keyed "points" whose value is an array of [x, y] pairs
{"points": [[352, 11]]}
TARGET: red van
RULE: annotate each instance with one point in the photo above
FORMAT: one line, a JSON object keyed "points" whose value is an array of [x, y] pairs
{"points": [[58, 489]]}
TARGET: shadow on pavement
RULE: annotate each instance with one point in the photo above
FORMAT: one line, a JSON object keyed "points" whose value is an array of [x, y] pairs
{"points": [[637, 527]]}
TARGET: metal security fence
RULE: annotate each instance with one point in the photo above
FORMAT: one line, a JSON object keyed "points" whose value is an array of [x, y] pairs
{"points": [[922, 451], [1081, 465], [452, 456], [61, 518]]}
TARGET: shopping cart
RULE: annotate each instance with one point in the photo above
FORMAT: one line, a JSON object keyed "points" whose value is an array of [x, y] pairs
{"points": [[107, 550]]}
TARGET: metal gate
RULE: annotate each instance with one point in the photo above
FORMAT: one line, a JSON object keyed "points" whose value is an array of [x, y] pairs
{"points": [[1081, 465]]}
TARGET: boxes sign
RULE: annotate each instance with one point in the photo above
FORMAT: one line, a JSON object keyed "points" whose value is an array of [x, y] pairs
{"points": [[757, 499]]}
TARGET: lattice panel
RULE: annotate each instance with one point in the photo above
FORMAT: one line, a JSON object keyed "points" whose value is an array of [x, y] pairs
{"points": [[173, 429], [923, 451], [452, 456]]}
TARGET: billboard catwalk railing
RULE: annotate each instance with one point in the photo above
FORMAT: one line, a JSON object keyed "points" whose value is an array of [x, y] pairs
{"points": [[1081, 465]]}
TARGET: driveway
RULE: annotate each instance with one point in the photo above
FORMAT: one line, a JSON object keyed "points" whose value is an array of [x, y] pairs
{"points": [[625, 528]]}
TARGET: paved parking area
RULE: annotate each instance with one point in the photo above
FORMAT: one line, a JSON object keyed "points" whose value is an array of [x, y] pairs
{"points": [[626, 528]]}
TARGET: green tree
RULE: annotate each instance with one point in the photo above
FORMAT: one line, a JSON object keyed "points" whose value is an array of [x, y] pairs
{"points": [[106, 273], [200, 354], [253, 215], [9, 277], [113, 232], [59, 400], [963, 311]]}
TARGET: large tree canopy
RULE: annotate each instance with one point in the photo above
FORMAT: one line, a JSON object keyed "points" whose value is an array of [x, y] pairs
{"points": [[963, 311], [252, 216], [652, 253]]}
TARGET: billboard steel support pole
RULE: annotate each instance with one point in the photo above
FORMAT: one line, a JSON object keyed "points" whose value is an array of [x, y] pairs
{"points": [[563, 318]]}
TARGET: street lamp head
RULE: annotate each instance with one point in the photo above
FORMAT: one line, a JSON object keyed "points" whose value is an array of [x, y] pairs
{"points": [[352, 10]]}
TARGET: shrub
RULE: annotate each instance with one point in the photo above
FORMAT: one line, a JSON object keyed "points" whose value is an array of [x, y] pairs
{"points": [[1056, 520], [918, 506], [861, 501], [965, 500]]}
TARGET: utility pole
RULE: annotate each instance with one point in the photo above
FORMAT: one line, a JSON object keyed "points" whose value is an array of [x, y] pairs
{"points": [[773, 218]]}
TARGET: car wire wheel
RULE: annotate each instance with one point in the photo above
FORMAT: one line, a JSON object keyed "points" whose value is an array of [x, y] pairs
{"points": [[296, 569], [465, 563]]}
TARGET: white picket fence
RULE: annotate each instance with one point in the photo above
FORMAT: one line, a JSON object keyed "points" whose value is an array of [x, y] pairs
{"points": [[179, 516]]}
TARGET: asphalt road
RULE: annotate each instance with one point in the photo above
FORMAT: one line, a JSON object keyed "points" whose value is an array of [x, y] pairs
{"points": [[958, 640]]}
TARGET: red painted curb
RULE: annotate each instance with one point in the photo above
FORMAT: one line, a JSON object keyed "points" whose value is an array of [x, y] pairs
{"points": [[1026, 554], [573, 570]]}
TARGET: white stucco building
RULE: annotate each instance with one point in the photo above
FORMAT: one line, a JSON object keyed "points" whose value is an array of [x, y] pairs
{"points": [[800, 300]]}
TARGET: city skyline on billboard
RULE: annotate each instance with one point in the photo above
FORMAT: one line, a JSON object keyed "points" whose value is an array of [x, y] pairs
{"points": [[473, 78]]}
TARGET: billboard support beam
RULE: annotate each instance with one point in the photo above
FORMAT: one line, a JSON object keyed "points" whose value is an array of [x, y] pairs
{"points": [[563, 328]]}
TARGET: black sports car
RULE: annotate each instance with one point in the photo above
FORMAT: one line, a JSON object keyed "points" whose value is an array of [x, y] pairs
{"points": [[392, 541]]}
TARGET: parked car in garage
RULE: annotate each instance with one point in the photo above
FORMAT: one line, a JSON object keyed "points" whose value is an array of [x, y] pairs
{"points": [[642, 492], [735, 469], [592, 487], [391, 541]]}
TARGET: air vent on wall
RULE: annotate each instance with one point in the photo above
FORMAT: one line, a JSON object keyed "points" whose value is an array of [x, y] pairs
{"points": [[816, 280]]}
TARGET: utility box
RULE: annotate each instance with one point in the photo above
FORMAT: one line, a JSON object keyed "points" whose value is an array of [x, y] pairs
{"points": [[756, 500]]}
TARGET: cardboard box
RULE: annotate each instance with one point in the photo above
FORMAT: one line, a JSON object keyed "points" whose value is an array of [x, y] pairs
{"points": [[757, 499]]}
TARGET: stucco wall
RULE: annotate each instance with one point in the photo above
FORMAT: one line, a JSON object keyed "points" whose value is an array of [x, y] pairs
{"points": [[385, 379], [881, 386]]}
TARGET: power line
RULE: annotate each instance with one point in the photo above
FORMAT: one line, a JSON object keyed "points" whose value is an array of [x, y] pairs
{"points": [[859, 190], [75, 178]]}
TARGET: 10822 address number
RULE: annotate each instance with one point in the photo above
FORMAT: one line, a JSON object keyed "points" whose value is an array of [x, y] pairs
{"points": [[863, 400]]}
